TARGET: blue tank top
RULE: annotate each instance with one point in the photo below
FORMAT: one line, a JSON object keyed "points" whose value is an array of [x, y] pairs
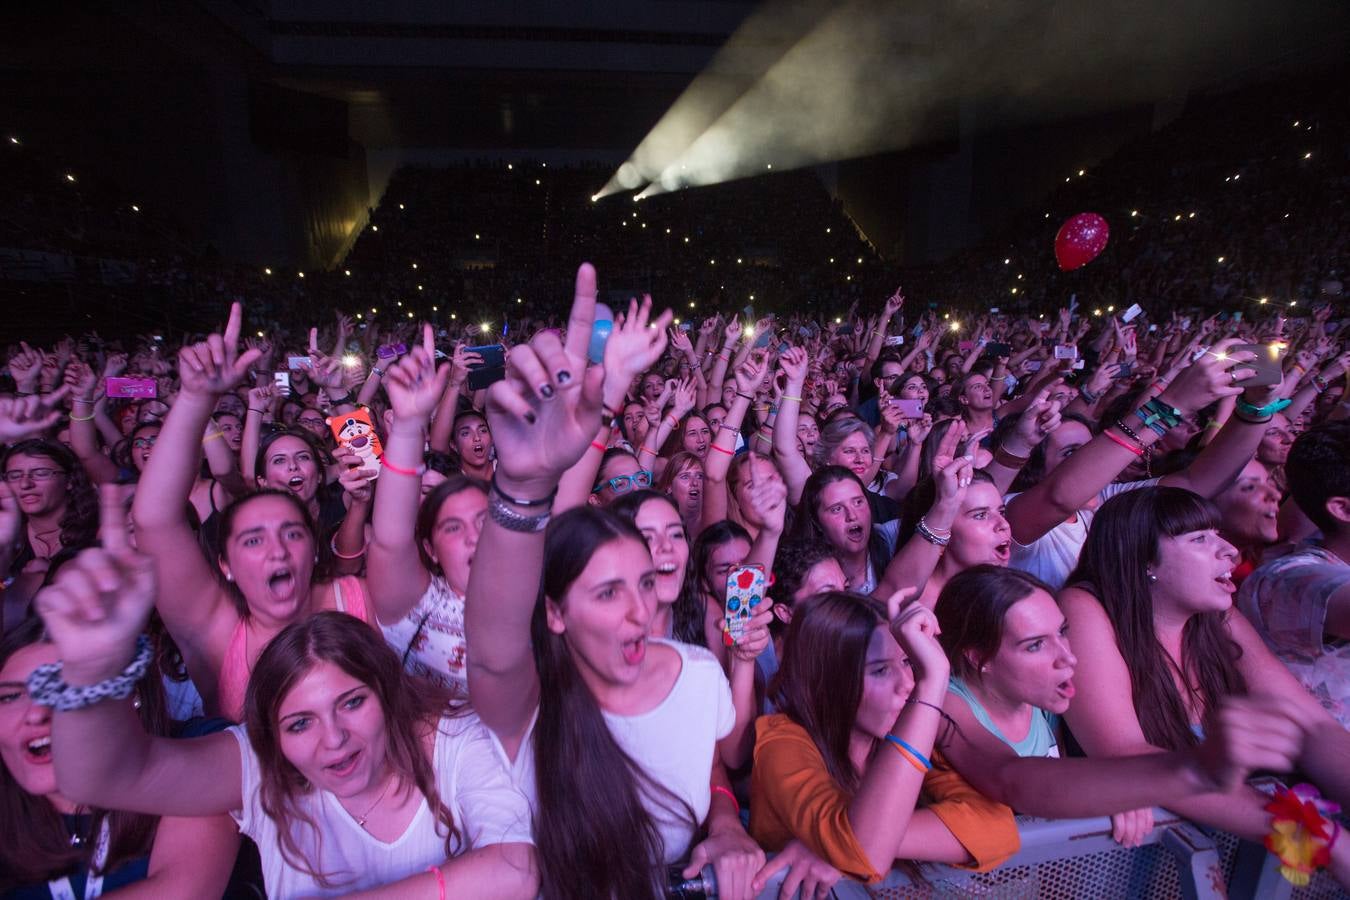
{"points": [[1040, 740]]}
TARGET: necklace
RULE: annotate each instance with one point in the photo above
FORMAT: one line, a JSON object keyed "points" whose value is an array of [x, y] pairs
{"points": [[361, 820]]}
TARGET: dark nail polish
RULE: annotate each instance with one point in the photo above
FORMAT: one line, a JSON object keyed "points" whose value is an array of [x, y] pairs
{"points": [[546, 391], [529, 417], [564, 376]]}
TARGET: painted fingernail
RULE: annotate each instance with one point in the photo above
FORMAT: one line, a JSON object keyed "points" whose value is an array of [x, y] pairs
{"points": [[529, 417], [564, 376], [546, 391]]}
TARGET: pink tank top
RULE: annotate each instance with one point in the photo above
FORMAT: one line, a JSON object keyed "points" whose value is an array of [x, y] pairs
{"points": [[348, 596]]}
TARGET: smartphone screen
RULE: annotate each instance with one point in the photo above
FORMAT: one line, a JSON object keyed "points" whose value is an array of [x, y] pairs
{"points": [[143, 388], [492, 368], [283, 382], [1267, 364], [910, 409]]}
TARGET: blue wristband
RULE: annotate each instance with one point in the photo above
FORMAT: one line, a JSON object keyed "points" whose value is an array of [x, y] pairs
{"points": [[899, 742]]}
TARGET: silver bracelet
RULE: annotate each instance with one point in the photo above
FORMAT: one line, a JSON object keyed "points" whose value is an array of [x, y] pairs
{"points": [[928, 535], [48, 688], [511, 520]]}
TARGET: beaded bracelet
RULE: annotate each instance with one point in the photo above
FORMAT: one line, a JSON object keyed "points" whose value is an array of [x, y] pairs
{"points": [[47, 688], [1129, 432]]}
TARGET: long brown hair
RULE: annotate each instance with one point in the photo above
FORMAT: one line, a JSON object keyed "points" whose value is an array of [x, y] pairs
{"points": [[37, 845], [409, 707], [820, 677], [594, 835], [1121, 545], [970, 613]]}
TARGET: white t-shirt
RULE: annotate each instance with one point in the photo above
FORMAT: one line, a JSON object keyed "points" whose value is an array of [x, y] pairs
{"points": [[470, 778], [673, 743], [1053, 555], [430, 638]]}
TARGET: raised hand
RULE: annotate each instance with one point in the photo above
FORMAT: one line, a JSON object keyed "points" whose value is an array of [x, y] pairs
{"points": [[114, 365], [916, 630], [25, 367], [685, 399], [358, 483], [767, 499], [460, 362], [947, 446], [679, 341], [25, 417], [546, 411], [215, 365], [733, 331], [414, 383], [262, 395], [1249, 734], [894, 302], [1211, 377], [750, 374], [81, 380], [633, 347], [99, 601], [11, 517], [794, 364]]}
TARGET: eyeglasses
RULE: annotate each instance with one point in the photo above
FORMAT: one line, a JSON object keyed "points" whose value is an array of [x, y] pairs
{"points": [[310, 421], [42, 474], [143, 443], [622, 484]]}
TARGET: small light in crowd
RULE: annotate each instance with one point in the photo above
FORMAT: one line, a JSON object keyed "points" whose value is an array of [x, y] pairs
{"points": [[752, 296], [1019, 276], [1133, 213], [260, 334], [946, 315], [135, 208], [400, 303], [1293, 302], [635, 214], [677, 321], [360, 315], [373, 310], [860, 260], [267, 271], [453, 316], [1047, 215], [351, 360], [1305, 156], [1110, 309], [537, 181], [749, 331], [414, 265], [477, 237], [768, 165], [1286, 215], [1190, 215], [686, 240], [831, 259], [594, 198], [1263, 300], [419, 287], [543, 165], [410, 315], [827, 231], [509, 166], [1228, 178], [485, 328], [374, 228], [1082, 172], [435, 309], [518, 300], [347, 272], [1221, 259], [712, 262], [400, 206], [1096, 312], [691, 304], [624, 223], [1066, 181], [13, 140], [1178, 218], [1007, 260], [1014, 290], [956, 326], [738, 260], [71, 178], [1296, 123], [838, 321], [644, 224], [848, 277], [300, 274], [1237, 177], [667, 231]]}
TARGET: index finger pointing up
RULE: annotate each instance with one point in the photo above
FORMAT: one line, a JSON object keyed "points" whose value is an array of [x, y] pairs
{"points": [[582, 318], [313, 341], [112, 518], [429, 342], [233, 325]]}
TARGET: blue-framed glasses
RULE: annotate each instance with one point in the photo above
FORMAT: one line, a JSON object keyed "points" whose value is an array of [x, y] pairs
{"points": [[622, 484]]}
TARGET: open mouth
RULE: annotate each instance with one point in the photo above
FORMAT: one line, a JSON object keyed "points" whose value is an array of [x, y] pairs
{"points": [[634, 650], [1003, 551], [855, 533], [666, 569], [1225, 581], [296, 484], [345, 766], [39, 750], [1065, 689], [281, 582]]}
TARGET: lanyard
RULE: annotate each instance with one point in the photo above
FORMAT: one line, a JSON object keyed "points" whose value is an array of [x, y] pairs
{"points": [[62, 889]]}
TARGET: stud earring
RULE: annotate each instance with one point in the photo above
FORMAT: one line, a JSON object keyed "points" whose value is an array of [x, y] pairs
{"points": [[1152, 578], [229, 576]]}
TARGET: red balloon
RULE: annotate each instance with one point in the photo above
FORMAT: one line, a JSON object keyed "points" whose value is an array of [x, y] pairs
{"points": [[1080, 240]]}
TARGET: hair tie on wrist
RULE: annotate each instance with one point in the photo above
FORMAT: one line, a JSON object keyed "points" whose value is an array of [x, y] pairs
{"points": [[90, 418], [332, 545], [440, 880], [399, 470], [599, 446], [722, 450], [720, 789]]}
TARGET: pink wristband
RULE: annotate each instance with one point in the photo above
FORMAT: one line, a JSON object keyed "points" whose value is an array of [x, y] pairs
{"points": [[440, 879], [719, 789]]}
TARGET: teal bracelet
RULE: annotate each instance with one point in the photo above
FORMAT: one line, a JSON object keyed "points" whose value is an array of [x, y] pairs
{"points": [[1262, 412], [899, 742], [1159, 411]]}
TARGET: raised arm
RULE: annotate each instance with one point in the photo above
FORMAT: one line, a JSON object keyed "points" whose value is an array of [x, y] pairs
{"points": [[443, 421], [83, 385], [543, 415], [913, 564], [93, 612], [787, 454], [395, 572], [1094, 465], [196, 611]]}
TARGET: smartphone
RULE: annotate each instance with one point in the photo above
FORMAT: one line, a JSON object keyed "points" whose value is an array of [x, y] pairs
{"points": [[389, 351], [994, 309], [1126, 370], [998, 348], [895, 340], [491, 370], [283, 382], [783, 348], [294, 363], [141, 388], [1066, 351], [763, 339], [354, 430], [845, 329], [1186, 323], [745, 592], [1034, 365], [1079, 364], [686, 326], [1267, 366], [910, 409], [1129, 314]]}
